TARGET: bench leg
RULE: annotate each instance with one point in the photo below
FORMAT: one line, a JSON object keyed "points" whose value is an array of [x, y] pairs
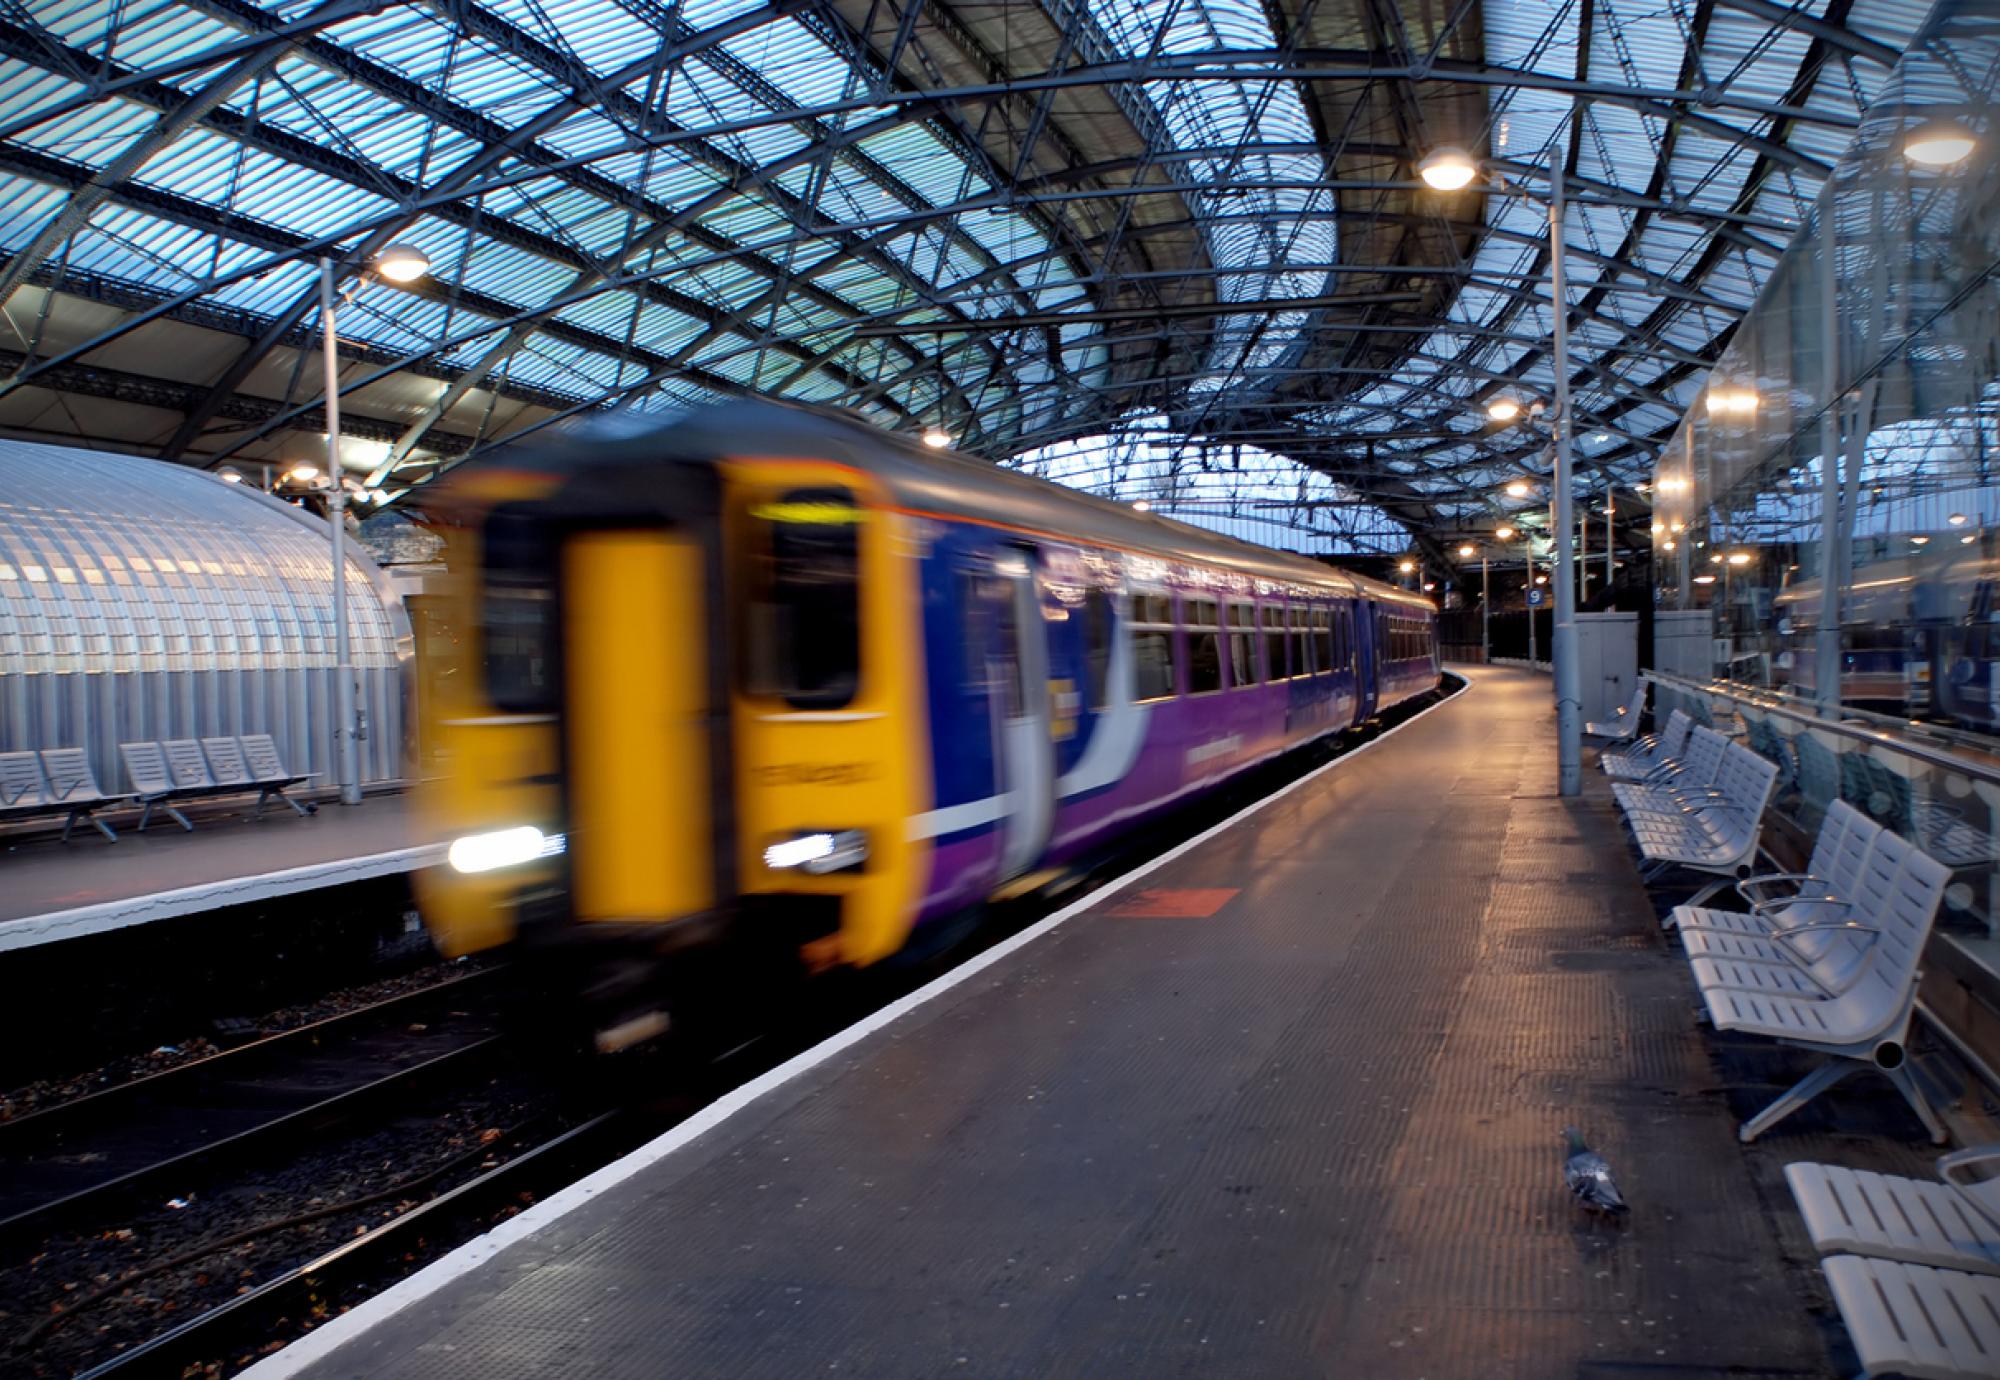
{"points": [[177, 816], [1914, 1095], [1700, 898], [301, 811], [85, 813], [1807, 1088]]}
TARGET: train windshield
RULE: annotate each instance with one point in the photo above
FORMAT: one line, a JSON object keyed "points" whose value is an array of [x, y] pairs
{"points": [[517, 614], [804, 614]]}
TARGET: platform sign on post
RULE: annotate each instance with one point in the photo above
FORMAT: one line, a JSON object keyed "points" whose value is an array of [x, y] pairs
{"points": [[1537, 597]]}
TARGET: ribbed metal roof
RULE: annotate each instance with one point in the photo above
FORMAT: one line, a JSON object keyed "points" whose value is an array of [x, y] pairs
{"points": [[1027, 224]]}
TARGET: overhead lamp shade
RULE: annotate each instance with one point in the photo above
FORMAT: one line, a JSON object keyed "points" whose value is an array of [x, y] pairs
{"points": [[1447, 169], [402, 263], [937, 438], [1938, 144], [1503, 409], [1518, 489]]}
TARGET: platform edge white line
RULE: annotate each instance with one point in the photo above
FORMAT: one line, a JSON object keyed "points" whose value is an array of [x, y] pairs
{"points": [[336, 1333], [53, 927]]}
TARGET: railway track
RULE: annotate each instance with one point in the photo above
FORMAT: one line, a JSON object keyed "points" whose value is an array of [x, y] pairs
{"points": [[530, 1161], [76, 1160], [236, 1331]]}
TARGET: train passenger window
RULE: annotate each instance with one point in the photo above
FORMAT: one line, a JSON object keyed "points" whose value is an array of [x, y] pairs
{"points": [[1097, 632], [1274, 642], [1301, 657], [803, 624], [1008, 626], [1152, 647], [518, 613], [1242, 645], [1322, 636], [1204, 643]]}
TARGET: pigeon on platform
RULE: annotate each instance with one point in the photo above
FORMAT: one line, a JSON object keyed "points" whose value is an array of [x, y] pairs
{"points": [[1588, 1176]]}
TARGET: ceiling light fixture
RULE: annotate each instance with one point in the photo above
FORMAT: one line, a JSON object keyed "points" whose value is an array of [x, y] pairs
{"points": [[1518, 489], [1503, 409], [937, 438], [402, 263], [1448, 169], [1938, 144]]}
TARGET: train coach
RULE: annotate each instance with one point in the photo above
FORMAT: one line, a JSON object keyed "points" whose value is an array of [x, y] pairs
{"points": [[767, 674]]}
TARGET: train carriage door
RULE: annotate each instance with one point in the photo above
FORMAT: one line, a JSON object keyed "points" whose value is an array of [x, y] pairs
{"points": [[1027, 745], [1367, 660], [645, 742]]}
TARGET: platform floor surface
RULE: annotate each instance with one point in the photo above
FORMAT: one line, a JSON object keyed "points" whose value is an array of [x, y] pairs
{"points": [[1289, 1108], [41, 876]]}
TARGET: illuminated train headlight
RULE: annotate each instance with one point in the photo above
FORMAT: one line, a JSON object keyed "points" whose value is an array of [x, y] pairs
{"points": [[818, 853], [502, 848]]}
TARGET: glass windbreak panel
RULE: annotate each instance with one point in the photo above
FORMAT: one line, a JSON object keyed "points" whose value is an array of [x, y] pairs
{"points": [[517, 612], [1204, 642], [803, 624]]}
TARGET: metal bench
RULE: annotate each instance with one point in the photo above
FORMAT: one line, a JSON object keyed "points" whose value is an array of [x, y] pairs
{"points": [[1917, 1321], [153, 784], [1626, 726], [267, 772], [1715, 828], [57, 780], [1643, 756], [1833, 872], [1840, 979], [72, 787], [1951, 1222], [1674, 785]]}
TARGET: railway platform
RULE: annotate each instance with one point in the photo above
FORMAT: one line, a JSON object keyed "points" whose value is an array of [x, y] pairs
{"points": [[52, 891], [1287, 1102]]}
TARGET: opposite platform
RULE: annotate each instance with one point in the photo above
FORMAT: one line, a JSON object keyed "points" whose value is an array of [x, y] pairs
{"points": [[1288, 1106], [52, 891]]}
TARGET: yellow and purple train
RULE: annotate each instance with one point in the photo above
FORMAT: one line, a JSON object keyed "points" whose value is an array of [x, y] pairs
{"points": [[768, 672]]}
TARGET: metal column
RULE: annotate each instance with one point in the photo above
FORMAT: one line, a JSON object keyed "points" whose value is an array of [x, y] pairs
{"points": [[1485, 613], [1832, 559], [1569, 725], [345, 748]]}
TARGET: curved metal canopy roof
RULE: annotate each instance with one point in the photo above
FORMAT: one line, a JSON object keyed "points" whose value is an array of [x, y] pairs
{"points": [[1025, 223]]}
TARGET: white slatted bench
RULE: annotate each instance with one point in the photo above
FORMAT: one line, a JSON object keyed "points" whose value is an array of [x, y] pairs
{"points": [[54, 781], [1951, 1222], [1716, 831], [1833, 872], [1651, 753], [1675, 785], [1916, 1321], [1625, 727], [1842, 984]]}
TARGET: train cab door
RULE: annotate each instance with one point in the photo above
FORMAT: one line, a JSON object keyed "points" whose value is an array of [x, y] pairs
{"points": [[644, 699], [1026, 759]]}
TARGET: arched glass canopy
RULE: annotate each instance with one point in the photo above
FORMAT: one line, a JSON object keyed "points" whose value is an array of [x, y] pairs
{"points": [[1024, 224]]}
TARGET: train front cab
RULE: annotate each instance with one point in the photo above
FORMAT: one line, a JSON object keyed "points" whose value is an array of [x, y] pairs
{"points": [[676, 721]]}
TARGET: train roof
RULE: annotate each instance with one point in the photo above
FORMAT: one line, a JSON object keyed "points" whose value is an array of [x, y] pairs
{"points": [[933, 480]]}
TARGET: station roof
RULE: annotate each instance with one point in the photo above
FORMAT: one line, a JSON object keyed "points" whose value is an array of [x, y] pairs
{"points": [[1033, 225]]}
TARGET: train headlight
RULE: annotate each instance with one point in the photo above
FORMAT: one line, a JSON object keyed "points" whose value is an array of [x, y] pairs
{"points": [[818, 853], [502, 848]]}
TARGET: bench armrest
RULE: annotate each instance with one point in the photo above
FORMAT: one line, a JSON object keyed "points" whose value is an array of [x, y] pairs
{"points": [[1787, 938], [1779, 903], [1951, 1168], [1797, 880]]}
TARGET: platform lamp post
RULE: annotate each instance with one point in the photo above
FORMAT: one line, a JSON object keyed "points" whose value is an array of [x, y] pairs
{"points": [[1451, 169], [399, 263]]}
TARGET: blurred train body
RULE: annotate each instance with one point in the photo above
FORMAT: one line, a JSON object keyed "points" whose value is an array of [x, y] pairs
{"points": [[767, 673], [1919, 637]]}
